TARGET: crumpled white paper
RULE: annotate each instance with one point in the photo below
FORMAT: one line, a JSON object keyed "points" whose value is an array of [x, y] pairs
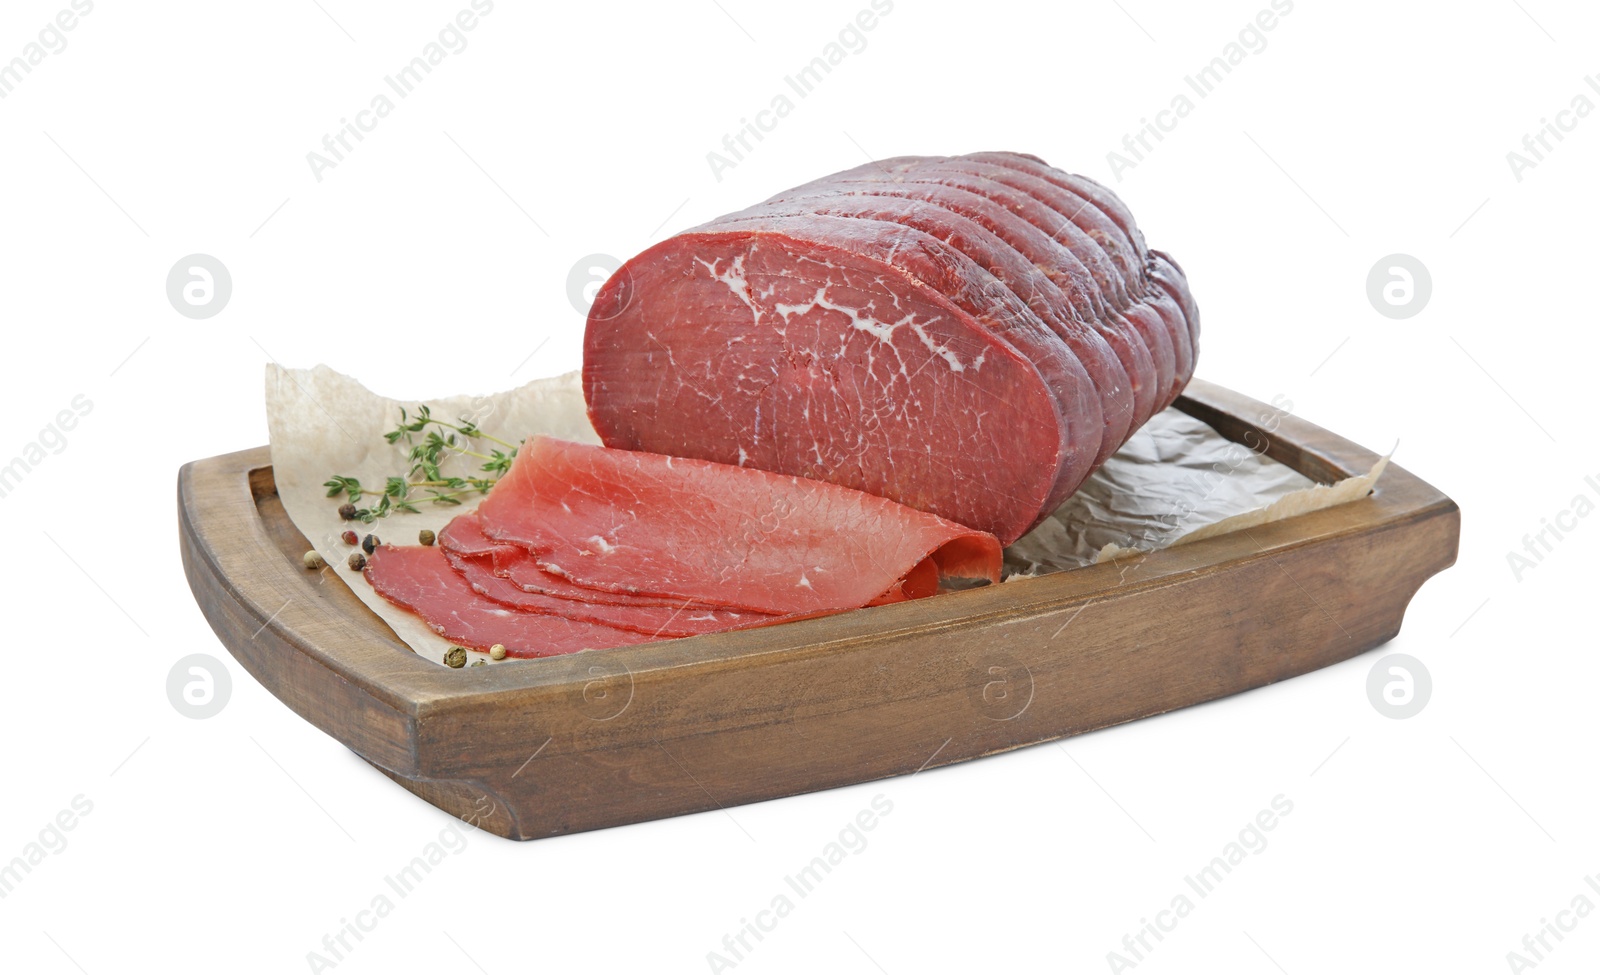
{"points": [[1176, 480], [323, 423]]}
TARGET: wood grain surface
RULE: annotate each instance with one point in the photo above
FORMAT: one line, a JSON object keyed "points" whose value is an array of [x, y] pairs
{"points": [[601, 738]]}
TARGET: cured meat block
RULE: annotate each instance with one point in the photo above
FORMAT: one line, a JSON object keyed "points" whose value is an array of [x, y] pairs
{"points": [[951, 270], [1108, 393], [1096, 243], [756, 348], [969, 336], [1059, 266]]}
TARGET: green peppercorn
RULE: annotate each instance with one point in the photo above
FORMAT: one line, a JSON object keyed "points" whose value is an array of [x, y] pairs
{"points": [[425, 536], [480, 662], [457, 657]]}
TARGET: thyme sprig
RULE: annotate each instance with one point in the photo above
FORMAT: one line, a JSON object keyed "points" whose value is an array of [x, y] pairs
{"points": [[438, 440]]}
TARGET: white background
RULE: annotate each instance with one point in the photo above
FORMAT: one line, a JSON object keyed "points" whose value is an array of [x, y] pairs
{"points": [[434, 260]]}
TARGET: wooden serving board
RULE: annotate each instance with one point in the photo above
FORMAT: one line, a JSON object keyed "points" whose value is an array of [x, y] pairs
{"points": [[606, 737]]}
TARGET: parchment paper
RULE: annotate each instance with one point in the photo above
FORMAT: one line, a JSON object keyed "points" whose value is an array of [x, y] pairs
{"points": [[323, 423], [1175, 481]]}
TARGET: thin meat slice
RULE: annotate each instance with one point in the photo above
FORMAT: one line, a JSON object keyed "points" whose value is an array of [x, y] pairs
{"points": [[683, 618], [463, 537], [633, 522], [423, 581]]}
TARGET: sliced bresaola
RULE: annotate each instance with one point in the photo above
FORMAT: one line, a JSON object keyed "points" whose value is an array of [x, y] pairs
{"points": [[684, 617], [632, 522], [423, 581], [464, 537]]}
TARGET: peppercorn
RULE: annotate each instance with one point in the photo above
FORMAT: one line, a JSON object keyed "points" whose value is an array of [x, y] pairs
{"points": [[357, 561], [369, 543], [313, 560], [480, 662], [347, 511], [425, 536], [349, 537], [498, 651], [457, 657]]}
